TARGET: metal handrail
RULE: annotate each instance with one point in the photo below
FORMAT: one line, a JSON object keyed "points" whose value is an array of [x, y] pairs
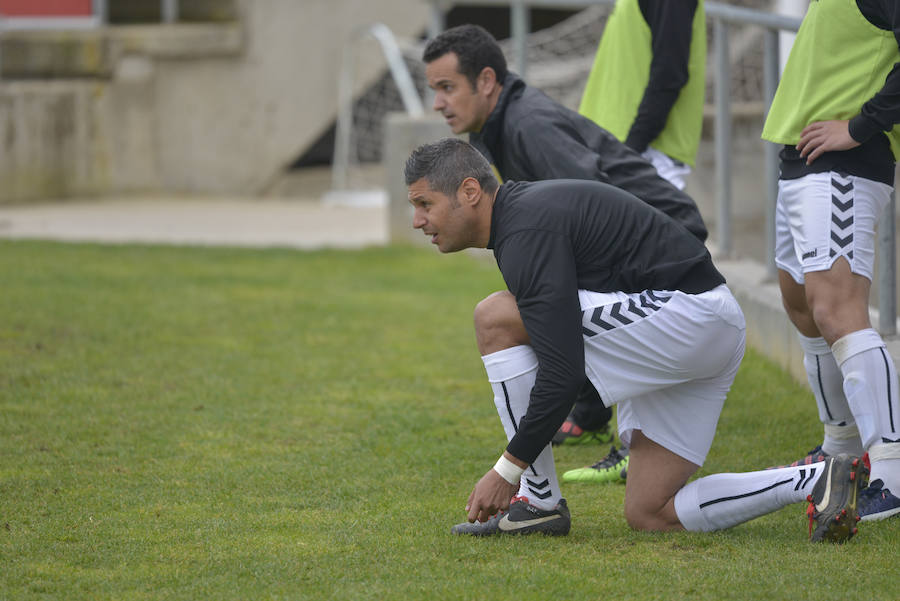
{"points": [[722, 15], [408, 93]]}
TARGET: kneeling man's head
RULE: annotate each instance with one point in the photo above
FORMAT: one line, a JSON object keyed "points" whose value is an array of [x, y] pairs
{"points": [[451, 187]]}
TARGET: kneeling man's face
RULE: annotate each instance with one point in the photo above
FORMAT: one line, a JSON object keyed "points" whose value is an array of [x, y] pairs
{"points": [[444, 219]]}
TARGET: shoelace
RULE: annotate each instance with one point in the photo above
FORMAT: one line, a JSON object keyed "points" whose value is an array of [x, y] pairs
{"points": [[610, 460], [810, 513]]}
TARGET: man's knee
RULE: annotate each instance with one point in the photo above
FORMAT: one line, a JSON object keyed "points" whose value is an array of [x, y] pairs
{"points": [[838, 311], [655, 475], [793, 299], [637, 519], [498, 324], [648, 519]]}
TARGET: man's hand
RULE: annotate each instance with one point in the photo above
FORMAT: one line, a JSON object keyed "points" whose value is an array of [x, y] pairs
{"points": [[824, 136], [491, 494]]}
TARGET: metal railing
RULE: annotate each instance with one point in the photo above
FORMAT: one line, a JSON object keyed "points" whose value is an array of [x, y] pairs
{"points": [[408, 93], [723, 16]]}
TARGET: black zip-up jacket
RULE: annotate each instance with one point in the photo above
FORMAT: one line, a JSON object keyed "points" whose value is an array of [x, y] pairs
{"points": [[530, 137]]}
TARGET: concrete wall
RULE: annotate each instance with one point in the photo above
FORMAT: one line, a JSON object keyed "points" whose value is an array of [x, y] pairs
{"points": [[211, 108], [236, 123]]}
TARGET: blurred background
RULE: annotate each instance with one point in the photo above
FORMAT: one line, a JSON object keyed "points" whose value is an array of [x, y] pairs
{"points": [[241, 97]]}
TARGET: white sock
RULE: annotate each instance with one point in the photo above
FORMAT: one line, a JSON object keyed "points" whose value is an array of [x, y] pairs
{"points": [[725, 500], [885, 460], [870, 383], [827, 383], [511, 373]]}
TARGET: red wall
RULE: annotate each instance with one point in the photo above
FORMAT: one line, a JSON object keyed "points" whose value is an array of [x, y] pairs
{"points": [[46, 8]]}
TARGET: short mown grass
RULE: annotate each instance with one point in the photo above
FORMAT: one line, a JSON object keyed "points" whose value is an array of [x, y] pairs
{"points": [[198, 423]]}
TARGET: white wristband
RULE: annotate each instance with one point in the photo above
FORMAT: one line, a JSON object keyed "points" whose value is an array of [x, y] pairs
{"points": [[508, 470]]}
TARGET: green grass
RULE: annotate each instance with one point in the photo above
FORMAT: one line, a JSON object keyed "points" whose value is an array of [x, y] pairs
{"points": [[236, 424]]}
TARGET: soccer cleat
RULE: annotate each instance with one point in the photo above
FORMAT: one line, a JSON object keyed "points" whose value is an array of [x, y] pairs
{"points": [[571, 433], [832, 504], [611, 468], [877, 502], [521, 518], [812, 456]]}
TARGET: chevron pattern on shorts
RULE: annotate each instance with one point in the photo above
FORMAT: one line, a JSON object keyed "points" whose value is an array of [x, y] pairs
{"points": [[609, 317], [841, 216]]}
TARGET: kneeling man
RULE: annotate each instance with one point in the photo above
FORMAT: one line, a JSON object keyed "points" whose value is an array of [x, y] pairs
{"points": [[602, 286]]}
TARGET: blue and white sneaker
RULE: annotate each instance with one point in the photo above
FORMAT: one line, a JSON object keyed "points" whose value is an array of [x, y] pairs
{"points": [[877, 502]]}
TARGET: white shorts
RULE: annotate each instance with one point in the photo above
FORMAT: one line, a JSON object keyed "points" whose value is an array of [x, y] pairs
{"points": [[667, 359], [823, 216], [668, 168]]}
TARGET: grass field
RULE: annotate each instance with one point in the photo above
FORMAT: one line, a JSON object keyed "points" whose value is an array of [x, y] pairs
{"points": [[181, 423]]}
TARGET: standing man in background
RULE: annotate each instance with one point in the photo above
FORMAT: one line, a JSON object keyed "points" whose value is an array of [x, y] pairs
{"points": [[648, 81], [836, 111]]}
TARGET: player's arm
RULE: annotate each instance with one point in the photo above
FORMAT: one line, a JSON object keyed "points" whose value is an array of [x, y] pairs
{"points": [[879, 113], [539, 270], [671, 27]]}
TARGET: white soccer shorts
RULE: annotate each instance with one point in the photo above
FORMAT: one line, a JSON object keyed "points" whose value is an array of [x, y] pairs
{"points": [[667, 359], [823, 216], [675, 172]]}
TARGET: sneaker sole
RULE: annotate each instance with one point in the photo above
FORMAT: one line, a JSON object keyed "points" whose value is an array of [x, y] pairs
{"points": [[842, 525], [882, 515]]}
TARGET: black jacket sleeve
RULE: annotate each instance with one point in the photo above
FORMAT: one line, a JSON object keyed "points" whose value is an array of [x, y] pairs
{"points": [[671, 24], [539, 269], [882, 111]]}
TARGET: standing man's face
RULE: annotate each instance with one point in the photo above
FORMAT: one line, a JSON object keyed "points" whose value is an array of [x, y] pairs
{"points": [[465, 109]]}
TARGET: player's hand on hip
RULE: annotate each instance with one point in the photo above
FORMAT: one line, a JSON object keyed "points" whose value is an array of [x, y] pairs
{"points": [[491, 494], [824, 136]]}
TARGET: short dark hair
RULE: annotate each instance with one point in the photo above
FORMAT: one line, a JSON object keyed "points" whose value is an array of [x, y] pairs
{"points": [[446, 163], [475, 48]]}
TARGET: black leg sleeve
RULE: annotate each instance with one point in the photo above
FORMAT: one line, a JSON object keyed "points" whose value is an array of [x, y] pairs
{"points": [[589, 412]]}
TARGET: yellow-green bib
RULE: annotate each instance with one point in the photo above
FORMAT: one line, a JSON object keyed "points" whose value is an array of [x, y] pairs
{"points": [[838, 62], [620, 74]]}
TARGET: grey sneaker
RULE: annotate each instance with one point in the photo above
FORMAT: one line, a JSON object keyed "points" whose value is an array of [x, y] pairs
{"points": [[522, 518], [832, 504]]}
